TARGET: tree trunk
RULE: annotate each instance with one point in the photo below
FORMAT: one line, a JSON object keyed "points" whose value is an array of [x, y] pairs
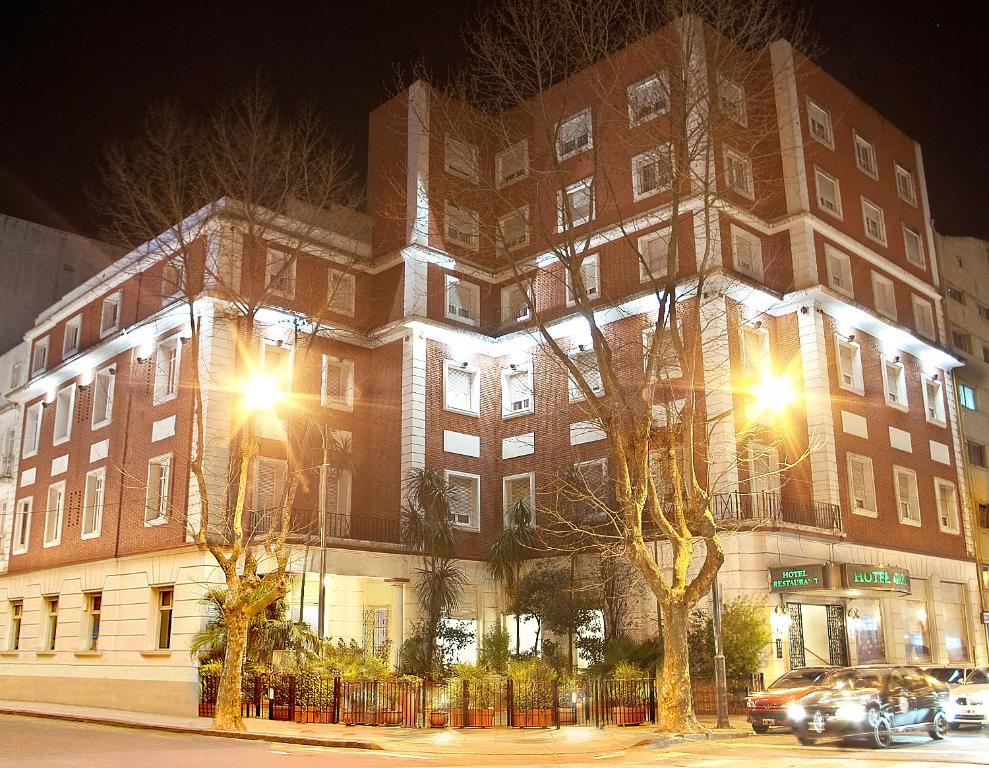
{"points": [[227, 716], [676, 709]]}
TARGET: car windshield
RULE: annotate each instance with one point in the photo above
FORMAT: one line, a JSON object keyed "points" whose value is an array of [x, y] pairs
{"points": [[853, 679], [950, 675], [978, 677], [797, 678]]}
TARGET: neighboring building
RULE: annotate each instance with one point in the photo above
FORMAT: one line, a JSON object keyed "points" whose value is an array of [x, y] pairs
{"points": [[13, 373], [965, 266], [863, 552]]}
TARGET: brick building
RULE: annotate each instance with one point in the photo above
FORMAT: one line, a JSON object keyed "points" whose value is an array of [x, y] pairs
{"points": [[823, 264]]}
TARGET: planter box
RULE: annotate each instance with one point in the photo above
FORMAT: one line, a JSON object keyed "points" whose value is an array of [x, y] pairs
{"points": [[313, 715], [532, 718], [279, 712], [476, 718], [566, 716], [438, 719], [628, 715], [390, 717]]}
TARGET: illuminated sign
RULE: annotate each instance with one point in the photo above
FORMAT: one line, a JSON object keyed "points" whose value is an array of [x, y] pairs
{"points": [[881, 578], [794, 578]]}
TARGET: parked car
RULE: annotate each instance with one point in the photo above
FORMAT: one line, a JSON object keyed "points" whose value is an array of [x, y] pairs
{"points": [[872, 701], [950, 675], [969, 702], [765, 709]]}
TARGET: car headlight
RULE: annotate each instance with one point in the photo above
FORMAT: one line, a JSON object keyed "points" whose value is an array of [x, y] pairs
{"points": [[976, 702], [750, 702], [796, 712], [852, 712]]}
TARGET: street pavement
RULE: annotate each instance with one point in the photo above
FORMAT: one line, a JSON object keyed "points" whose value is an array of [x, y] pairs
{"points": [[47, 743]]}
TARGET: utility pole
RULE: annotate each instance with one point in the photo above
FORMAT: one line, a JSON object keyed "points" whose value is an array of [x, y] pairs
{"points": [[321, 621], [720, 673]]}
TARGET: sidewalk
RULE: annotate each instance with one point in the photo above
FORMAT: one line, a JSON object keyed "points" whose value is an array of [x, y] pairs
{"points": [[569, 740]]}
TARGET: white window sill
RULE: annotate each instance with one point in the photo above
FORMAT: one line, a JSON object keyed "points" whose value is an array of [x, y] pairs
{"points": [[898, 406], [46, 653], [840, 291], [49, 544], [876, 240], [854, 390], [100, 424], [865, 513], [584, 148], [19, 551], [89, 654], [646, 118], [465, 320], [339, 406], [62, 440], [155, 522], [467, 528], [937, 423], [10, 654], [839, 215], [912, 523], [30, 455], [108, 332], [952, 531], [164, 399], [822, 142], [89, 536], [155, 653], [461, 411], [639, 196], [515, 414]]}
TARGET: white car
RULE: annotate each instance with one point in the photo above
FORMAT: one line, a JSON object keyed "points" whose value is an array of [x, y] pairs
{"points": [[969, 702]]}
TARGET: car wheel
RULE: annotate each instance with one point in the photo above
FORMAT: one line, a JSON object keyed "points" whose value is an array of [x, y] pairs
{"points": [[954, 726], [939, 726], [882, 734], [760, 728], [807, 741]]}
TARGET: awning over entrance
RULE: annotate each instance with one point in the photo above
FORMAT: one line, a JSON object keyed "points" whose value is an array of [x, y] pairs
{"points": [[814, 577]]}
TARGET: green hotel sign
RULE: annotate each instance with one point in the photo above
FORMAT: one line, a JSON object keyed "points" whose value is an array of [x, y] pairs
{"points": [[794, 578], [882, 578]]}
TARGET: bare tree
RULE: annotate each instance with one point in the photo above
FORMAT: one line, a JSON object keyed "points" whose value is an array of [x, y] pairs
{"points": [[194, 194], [679, 96]]}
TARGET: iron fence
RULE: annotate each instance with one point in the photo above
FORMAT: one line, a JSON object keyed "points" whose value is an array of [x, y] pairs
{"points": [[774, 509]]}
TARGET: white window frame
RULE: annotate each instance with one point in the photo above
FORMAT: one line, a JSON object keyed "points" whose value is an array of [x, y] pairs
{"points": [[454, 150], [603, 463], [531, 477], [733, 156], [593, 291], [857, 384], [31, 449], [902, 394], [58, 510], [665, 372], [975, 400], [114, 300], [653, 156], [869, 477], [507, 400], [273, 268], [93, 507], [470, 238], [42, 346], [761, 332], [583, 116], [68, 403], [740, 113], [286, 375], [923, 308], [341, 285], [831, 255], [576, 394], [166, 380], [867, 204], [897, 471], [258, 512], [860, 142], [755, 244], [820, 174], [661, 79], [166, 460], [346, 403], [474, 524], [500, 179], [880, 283], [474, 309], [475, 396], [75, 326], [647, 264], [344, 482], [161, 610], [109, 373], [508, 315], [901, 173], [954, 525], [827, 141], [518, 213], [939, 415], [563, 200], [909, 233], [23, 510]]}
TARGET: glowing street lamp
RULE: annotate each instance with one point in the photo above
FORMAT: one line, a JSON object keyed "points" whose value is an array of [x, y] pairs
{"points": [[773, 394], [261, 393]]}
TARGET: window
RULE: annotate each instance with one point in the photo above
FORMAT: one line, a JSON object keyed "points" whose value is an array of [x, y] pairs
{"points": [[731, 100], [966, 396], [573, 135], [575, 205], [647, 99], [276, 362], [22, 525], [516, 390], [337, 384], [839, 271], [764, 476], [167, 358], [934, 400], [94, 607], [518, 494], [652, 172], [756, 358], [51, 630], [875, 223], [956, 637], [513, 230], [171, 280], [515, 304], [461, 159], [913, 247], [820, 124], [54, 513], [976, 454], [904, 184], [92, 508], [512, 164], [828, 192], [465, 499], [16, 616], [953, 293], [865, 156], [110, 315], [7, 456], [916, 634], [983, 312], [591, 487], [895, 383], [850, 366], [884, 295], [338, 486], [64, 405], [269, 493], [159, 492], [341, 292], [39, 361], [588, 276], [738, 173], [907, 498], [861, 486], [668, 363], [923, 317], [463, 300], [654, 256], [71, 336], [461, 226], [947, 505], [15, 374], [166, 598], [461, 388], [32, 429], [985, 353], [103, 384], [747, 252], [961, 341], [280, 274], [586, 362]]}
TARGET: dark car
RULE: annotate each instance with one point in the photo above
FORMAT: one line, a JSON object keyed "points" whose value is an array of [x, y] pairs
{"points": [[872, 701], [949, 675], [764, 709]]}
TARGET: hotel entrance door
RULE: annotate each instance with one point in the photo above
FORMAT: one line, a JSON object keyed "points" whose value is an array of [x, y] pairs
{"points": [[817, 635]]}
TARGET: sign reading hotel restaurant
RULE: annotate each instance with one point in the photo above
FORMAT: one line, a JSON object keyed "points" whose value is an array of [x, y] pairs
{"points": [[793, 578], [883, 578]]}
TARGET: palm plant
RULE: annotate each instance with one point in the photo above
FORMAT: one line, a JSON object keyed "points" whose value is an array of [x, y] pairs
{"points": [[506, 554]]}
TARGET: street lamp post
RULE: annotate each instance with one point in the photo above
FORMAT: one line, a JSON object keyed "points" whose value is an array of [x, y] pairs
{"points": [[720, 673], [321, 619]]}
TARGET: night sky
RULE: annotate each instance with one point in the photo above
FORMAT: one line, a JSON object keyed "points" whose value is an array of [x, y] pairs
{"points": [[73, 74]]}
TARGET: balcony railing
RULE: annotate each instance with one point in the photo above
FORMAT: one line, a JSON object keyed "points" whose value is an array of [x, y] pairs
{"points": [[305, 527], [773, 510]]}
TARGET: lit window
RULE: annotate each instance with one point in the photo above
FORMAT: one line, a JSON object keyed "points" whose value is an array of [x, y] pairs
{"points": [[269, 494], [590, 278], [512, 164], [828, 192], [340, 292], [575, 205], [934, 401], [167, 358], [103, 384], [652, 172], [820, 124], [850, 366], [51, 631], [654, 256], [747, 252], [738, 173], [947, 505], [516, 390], [22, 525], [94, 608], [158, 499], [923, 317], [731, 100], [647, 99], [875, 222], [895, 383], [461, 388], [280, 273], [166, 597], [64, 406], [54, 514], [904, 184], [70, 340], [913, 246], [463, 300], [865, 156], [110, 315], [756, 359], [839, 271], [966, 396], [861, 486], [518, 496], [461, 159], [39, 360], [513, 230], [337, 389], [573, 135], [907, 498], [884, 295], [465, 499], [586, 362], [516, 306], [462, 226], [32, 429], [92, 506]]}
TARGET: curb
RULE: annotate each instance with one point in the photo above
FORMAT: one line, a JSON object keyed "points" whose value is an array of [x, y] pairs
{"points": [[243, 735], [670, 741]]}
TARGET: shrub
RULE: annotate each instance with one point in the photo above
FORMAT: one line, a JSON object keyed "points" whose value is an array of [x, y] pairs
{"points": [[495, 652], [745, 633]]}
